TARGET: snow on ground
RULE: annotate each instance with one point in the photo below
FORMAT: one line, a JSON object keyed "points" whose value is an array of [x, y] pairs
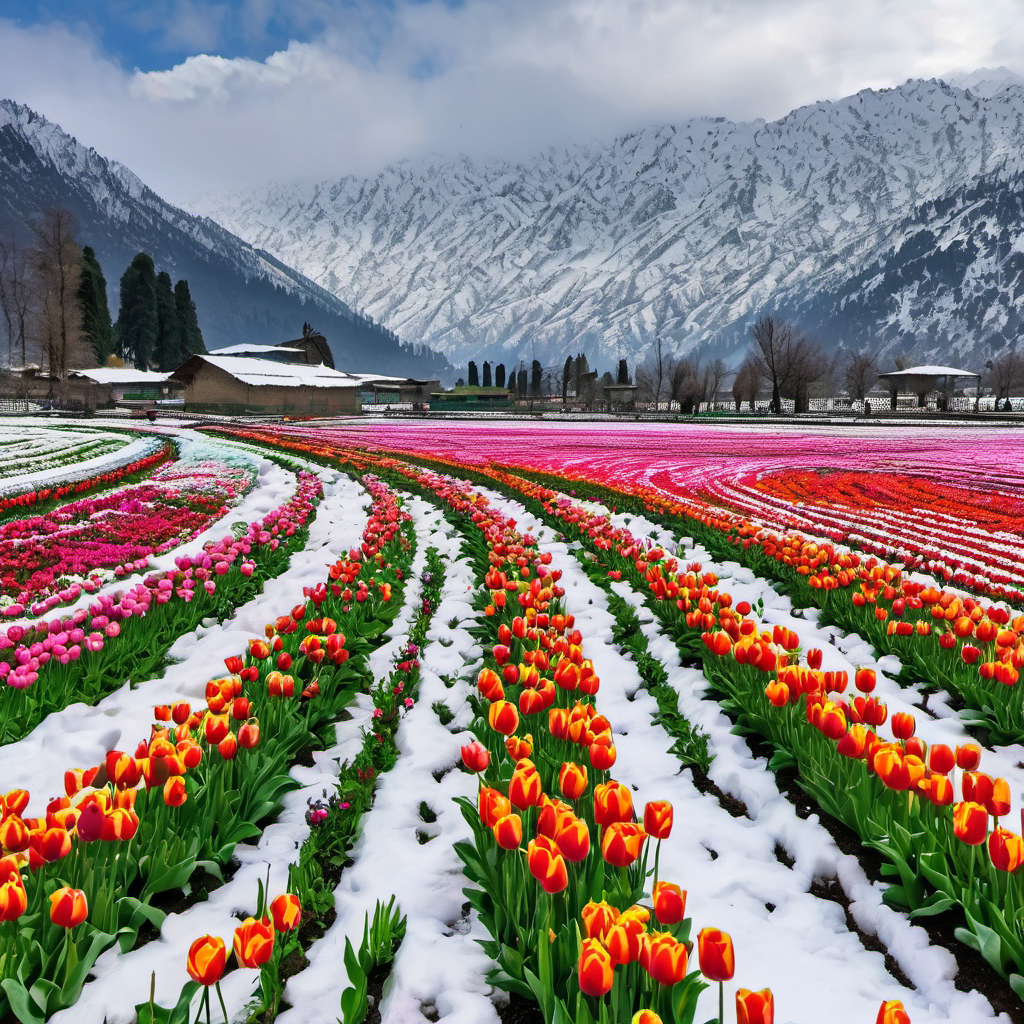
{"points": [[803, 949]]}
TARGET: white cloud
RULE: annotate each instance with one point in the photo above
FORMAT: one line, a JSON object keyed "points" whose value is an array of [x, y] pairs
{"points": [[483, 77]]}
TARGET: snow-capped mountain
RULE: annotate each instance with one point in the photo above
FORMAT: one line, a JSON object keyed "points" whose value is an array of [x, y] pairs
{"points": [[241, 293], [867, 218]]}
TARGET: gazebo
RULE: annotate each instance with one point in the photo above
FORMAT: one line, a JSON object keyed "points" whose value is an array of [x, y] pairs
{"points": [[922, 380]]}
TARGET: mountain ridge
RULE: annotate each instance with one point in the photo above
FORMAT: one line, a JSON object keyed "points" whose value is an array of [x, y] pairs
{"points": [[681, 232]]}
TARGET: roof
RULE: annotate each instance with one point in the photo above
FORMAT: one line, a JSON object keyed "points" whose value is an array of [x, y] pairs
{"points": [[264, 372], [122, 375], [930, 371], [237, 350]]}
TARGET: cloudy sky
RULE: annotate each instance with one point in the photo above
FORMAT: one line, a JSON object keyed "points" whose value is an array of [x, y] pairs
{"points": [[194, 95]]}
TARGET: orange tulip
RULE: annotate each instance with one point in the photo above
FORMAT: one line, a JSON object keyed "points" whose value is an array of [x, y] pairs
{"points": [[612, 802], [228, 747], [286, 912], [519, 747], [622, 842], [598, 918], [999, 802], [970, 823], [892, 1012], [658, 819], [865, 680], [54, 844], [174, 791], [572, 780], [254, 941], [120, 824], [595, 968], [645, 1017], [493, 805], [715, 954], [508, 831], [13, 899], [547, 865], [68, 907], [13, 834], [755, 1007], [1006, 849], [206, 959], [626, 939], [669, 903], [525, 788], [666, 959]]}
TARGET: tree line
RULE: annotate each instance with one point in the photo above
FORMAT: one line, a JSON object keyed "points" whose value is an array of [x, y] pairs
{"points": [[54, 308], [574, 381]]}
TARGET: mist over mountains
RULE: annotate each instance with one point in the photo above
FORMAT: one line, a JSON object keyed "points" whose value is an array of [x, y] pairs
{"points": [[890, 219], [241, 293]]}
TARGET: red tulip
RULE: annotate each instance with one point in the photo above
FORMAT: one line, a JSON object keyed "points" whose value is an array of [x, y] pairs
{"points": [[892, 1012], [669, 903], [525, 788], [475, 756], [622, 843], [547, 865], [755, 1007], [503, 717], [598, 919], [715, 954], [508, 831], [595, 968]]}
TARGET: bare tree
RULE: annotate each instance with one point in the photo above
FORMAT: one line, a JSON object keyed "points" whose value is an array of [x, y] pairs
{"points": [[654, 375], [860, 374], [717, 373], [1005, 374], [746, 383], [787, 360], [685, 384], [57, 266], [15, 300]]}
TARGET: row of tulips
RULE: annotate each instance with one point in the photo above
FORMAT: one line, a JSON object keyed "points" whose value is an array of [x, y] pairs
{"points": [[16, 502], [944, 638], [93, 538], [140, 824], [126, 635], [333, 825], [560, 859], [897, 795]]}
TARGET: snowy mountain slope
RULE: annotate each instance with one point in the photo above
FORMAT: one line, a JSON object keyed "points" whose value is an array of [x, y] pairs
{"points": [[686, 232], [241, 294]]}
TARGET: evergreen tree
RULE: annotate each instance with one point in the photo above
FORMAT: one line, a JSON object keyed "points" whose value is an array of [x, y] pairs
{"points": [[170, 349], [521, 381], [623, 372], [487, 374], [536, 378], [499, 375], [137, 319], [474, 375], [188, 323], [92, 299], [566, 377]]}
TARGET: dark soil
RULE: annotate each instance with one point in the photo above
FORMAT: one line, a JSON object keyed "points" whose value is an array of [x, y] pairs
{"points": [[520, 1011], [737, 808]]}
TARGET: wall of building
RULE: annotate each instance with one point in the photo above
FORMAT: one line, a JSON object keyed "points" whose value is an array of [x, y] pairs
{"points": [[213, 390]]}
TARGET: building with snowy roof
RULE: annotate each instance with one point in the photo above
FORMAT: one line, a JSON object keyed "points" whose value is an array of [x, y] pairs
{"points": [[923, 381]]}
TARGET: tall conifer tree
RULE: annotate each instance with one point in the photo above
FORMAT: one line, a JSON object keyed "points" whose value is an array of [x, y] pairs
{"points": [[188, 322], [170, 351], [499, 375], [474, 375], [137, 323], [487, 374], [92, 298]]}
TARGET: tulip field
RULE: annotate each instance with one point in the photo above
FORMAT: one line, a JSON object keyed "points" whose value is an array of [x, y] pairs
{"points": [[489, 722]]}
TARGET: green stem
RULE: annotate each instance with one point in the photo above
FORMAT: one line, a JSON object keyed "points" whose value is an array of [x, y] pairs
{"points": [[220, 996]]}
